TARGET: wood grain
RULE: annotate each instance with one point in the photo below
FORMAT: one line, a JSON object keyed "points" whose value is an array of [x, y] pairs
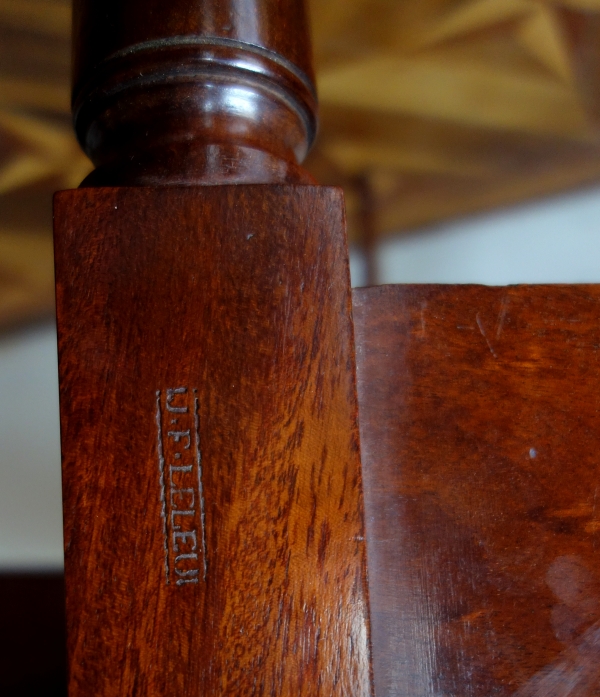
{"points": [[26, 278], [527, 74], [480, 415], [239, 295]]}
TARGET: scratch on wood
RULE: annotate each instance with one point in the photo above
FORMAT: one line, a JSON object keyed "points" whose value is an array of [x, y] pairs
{"points": [[502, 316], [423, 321], [483, 334]]}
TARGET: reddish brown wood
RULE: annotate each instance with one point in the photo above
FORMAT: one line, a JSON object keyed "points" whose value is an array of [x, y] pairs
{"points": [[193, 91], [367, 215], [480, 415], [240, 295], [212, 487]]}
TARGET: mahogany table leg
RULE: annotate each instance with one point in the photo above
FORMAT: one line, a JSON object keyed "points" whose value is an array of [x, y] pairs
{"points": [[212, 488]]}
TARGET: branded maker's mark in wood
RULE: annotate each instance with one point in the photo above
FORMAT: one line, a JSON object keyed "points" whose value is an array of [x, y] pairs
{"points": [[181, 489]]}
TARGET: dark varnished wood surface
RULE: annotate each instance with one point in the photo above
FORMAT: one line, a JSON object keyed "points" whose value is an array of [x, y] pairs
{"points": [[193, 91], [480, 422], [32, 635], [242, 294], [104, 28]]}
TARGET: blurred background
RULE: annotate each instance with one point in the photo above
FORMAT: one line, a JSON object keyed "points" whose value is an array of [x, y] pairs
{"points": [[465, 134]]}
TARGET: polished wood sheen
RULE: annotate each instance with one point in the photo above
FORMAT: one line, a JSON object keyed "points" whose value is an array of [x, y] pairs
{"points": [[214, 540], [480, 422], [214, 532], [201, 92]]}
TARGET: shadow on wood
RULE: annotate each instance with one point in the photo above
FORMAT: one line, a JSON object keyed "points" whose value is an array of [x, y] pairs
{"points": [[32, 635]]}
